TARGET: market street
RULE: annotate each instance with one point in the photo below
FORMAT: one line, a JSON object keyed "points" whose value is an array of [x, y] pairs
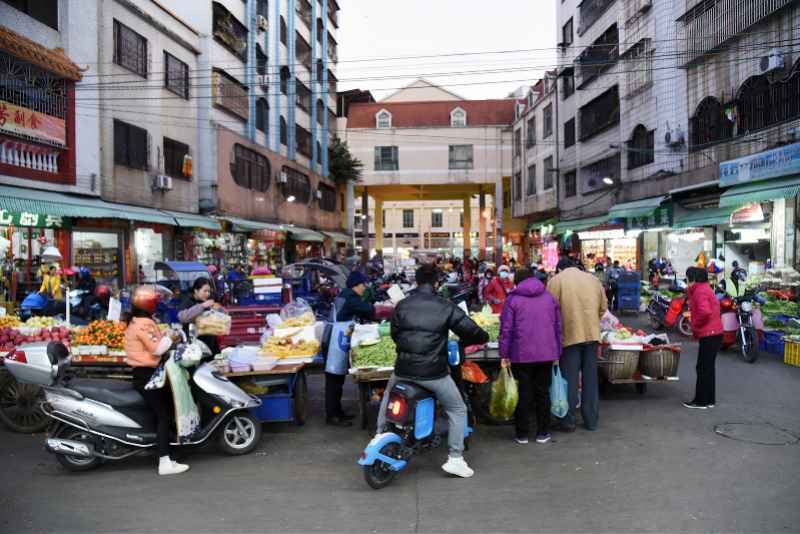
{"points": [[652, 466]]}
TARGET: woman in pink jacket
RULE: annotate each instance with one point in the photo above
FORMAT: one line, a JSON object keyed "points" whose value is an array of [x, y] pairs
{"points": [[707, 328]]}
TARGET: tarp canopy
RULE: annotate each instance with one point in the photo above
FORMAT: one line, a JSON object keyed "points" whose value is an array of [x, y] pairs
{"points": [[741, 195], [245, 225], [704, 217], [637, 208], [305, 234], [581, 224]]}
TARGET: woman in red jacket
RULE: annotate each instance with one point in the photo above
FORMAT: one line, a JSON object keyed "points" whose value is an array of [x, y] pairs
{"points": [[498, 289], [707, 328]]}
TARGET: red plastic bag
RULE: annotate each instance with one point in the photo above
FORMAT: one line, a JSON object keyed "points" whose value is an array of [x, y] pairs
{"points": [[471, 372]]}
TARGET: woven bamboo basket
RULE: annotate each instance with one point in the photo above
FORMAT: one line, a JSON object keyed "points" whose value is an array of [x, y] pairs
{"points": [[660, 362], [619, 364]]}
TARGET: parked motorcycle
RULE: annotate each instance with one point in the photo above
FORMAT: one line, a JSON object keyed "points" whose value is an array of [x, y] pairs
{"points": [[96, 421], [739, 318], [670, 313]]}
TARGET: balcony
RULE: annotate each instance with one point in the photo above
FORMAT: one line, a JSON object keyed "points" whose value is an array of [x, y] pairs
{"points": [[591, 11], [229, 32], [303, 96], [599, 114], [303, 52], [332, 49], [598, 58], [303, 10], [29, 156]]}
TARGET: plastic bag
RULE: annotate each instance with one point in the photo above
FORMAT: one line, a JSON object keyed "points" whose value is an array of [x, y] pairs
{"points": [[559, 403], [213, 323], [297, 308], [471, 372], [609, 322], [364, 332], [505, 395]]}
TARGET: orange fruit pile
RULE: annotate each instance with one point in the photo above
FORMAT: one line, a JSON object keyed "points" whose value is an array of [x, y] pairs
{"points": [[108, 333]]}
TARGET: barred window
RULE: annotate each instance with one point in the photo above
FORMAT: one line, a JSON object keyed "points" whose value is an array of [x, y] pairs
{"points": [[547, 129], [386, 158], [408, 218], [531, 137], [754, 104], [437, 218], [641, 147], [570, 184], [461, 157], [548, 173], [569, 133], [174, 154], [45, 11], [531, 180], [228, 93], [518, 185], [709, 124], [600, 114], [297, 185], [130, 146], [262, 115], [176, 75], [130, 49], [229, 32], [328, 200], [250, 169]]}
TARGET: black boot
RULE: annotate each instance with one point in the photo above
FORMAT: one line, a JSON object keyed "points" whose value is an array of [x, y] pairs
{"points": [[338, 421]]}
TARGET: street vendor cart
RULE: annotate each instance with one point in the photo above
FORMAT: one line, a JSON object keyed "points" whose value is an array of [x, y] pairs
{"points": [[637, 364], [284, 392]]}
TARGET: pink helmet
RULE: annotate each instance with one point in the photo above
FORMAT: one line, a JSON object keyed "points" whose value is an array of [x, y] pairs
{"points": [[212, 269]]}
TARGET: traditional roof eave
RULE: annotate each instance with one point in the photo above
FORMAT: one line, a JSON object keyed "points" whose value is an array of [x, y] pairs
{"points": [[53, 60]]}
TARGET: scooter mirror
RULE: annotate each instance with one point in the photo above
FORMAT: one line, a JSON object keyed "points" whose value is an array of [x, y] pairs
{"points": [[192, 332]]}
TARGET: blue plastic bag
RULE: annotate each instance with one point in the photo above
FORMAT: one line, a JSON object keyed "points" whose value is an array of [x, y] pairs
{"points": [[559, 403]]}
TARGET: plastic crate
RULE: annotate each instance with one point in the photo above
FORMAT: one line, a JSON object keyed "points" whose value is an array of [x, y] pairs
{"points": [[773, 343], [791, 353], [629, 302], [274, 408]]}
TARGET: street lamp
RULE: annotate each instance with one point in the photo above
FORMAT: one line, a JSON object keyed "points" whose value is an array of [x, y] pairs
{"points": [[290, 198], [608, 180]]}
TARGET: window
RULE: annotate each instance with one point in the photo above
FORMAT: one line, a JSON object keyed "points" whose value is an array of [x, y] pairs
{"points": [[567, 34], [176, 75], [518, 185], [250, 169], [599, 114], [709, 124], [531, 138], [283, 131], [327, 201], [262, 8], [303, 140], [174, 154], [569, 133], [437, 217], [386, 158], [591, 11], [229, 32], [531, 180], [130, 49], [461, 218], [599, 57], [548, 173], [303, 99], [461, 157], [408, 218], [517, 149], [320, 112], [262, 115], [641, 147], [548, 121], [45, 11], [754, 105], [458, 118], [383, 119], [229, 94], [383, 214], [297, 185], [283, 30], [570, 184], [302, 52], [640, 60], [285, 75], [593, 176], [567, 84], [261, 63], [131, 146]]}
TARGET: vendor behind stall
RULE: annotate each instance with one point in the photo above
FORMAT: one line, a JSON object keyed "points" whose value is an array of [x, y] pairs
{"points": [[194, 304], [347, 307]]}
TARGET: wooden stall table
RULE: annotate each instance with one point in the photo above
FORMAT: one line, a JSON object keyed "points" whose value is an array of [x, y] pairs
{"points": [[369, 381]]}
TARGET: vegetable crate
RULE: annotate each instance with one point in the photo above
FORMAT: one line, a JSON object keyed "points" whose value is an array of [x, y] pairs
{"points": [[772, 343], [791, 354]]}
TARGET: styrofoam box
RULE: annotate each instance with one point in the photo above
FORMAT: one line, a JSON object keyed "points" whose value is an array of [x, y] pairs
{"points": [[267, 289], [261, 282]]}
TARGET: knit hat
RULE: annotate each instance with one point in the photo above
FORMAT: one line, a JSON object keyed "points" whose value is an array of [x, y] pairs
{"points": [[355, 278]]}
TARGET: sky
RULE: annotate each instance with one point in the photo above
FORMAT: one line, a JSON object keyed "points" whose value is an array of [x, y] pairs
{"points": [[381, 31]]}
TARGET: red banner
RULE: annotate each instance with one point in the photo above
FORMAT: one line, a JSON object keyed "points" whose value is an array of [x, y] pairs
{"points": [[23, 121]]}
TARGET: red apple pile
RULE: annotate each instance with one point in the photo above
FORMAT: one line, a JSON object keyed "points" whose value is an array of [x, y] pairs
{"points": [[10, 337]]}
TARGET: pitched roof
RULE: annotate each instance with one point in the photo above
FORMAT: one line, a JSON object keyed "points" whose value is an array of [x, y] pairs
{"points": [[432, 114], [54, 60]]}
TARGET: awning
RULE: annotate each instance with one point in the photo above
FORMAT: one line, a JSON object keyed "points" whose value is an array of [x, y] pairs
{"points": [[546, 222], [581, 224], [637, 208], [305, 234], [19, 199], [193, 220], [244, 225], [338, 237], [760, 191], [699, 218]]}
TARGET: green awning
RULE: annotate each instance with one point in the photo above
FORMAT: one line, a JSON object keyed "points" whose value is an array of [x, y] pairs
{"points": [[338, 237], [638, 208], [193, 220], [580, 224], [305, 234], [539, 224], [18, 199], [245, 225], [705, 217], [741, 195]]}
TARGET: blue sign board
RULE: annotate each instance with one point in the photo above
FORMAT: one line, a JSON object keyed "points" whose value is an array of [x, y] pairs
{"points": [[775, 163]]}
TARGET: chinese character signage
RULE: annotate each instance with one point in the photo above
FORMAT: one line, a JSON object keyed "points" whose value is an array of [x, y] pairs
{"points": [[661, 217], [37, 220], [23, 121], [774, 163], [748, 214]]}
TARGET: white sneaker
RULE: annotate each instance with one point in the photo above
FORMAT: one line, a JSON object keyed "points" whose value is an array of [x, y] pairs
{"points": [[458, 467], [168, 467]]}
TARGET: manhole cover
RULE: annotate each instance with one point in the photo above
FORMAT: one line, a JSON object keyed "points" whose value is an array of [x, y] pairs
{"points": [[758, 433]]}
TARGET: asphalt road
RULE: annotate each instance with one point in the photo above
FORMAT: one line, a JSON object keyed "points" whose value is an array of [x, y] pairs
{"points": [[653, 466]]}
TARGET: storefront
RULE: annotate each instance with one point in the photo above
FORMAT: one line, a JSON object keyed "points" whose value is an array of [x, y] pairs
{"points": [[609, 241], [251, 244], [303, 243]]}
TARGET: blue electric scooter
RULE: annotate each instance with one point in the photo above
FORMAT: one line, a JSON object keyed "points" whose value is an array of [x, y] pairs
{"points": [[411, 429]]}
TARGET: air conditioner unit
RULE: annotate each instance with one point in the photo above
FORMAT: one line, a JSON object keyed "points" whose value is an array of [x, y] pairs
{"points": [[283, 177], [261, 22], [162, 182], [772, 61], [674, 138]]}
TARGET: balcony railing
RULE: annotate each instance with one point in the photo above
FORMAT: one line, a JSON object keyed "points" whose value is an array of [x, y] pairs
{"points": [[27, 156], [303, 10], [591, 11], [598, 57], [332, 53]]}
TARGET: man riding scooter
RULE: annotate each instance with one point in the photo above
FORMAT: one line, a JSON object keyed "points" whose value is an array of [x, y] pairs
{"points": [[420, 328]]}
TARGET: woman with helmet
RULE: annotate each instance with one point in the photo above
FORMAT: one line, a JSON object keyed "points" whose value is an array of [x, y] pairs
{"points": [[144, 347], [499, 288], [199, 299]]}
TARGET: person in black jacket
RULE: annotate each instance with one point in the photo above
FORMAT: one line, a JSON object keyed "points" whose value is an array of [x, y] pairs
{"points": [[420, 328]]}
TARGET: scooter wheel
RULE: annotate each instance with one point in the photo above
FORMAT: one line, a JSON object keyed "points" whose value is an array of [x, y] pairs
{"points": [[379, 474], [240, 434], [75, 463]]}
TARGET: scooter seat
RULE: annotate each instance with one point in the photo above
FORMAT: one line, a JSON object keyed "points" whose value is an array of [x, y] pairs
{"points": [[118, 393]]}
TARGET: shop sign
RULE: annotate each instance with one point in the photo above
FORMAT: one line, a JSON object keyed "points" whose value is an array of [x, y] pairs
{"points": [[773, 163], [751, 213], [440, 234], [602, 234], [36, 220], [661, 217], [24, 121]]}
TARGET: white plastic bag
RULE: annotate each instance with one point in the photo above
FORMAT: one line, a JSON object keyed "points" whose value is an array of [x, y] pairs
{"points": [[213, 323], [364, 332], [609, 322], [296, 309]]}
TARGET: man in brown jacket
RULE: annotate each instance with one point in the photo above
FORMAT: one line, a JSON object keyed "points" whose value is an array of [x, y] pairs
{"points": [[583, 303]]}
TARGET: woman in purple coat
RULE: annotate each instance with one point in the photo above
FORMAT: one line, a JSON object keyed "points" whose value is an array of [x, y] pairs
{"points": [[530, 340]]}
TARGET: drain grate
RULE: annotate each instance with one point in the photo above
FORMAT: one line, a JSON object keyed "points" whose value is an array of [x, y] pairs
{"points": [[757, 433]]}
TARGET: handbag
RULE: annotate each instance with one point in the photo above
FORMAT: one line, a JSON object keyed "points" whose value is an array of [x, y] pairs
{"points": [[338, 353]]}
